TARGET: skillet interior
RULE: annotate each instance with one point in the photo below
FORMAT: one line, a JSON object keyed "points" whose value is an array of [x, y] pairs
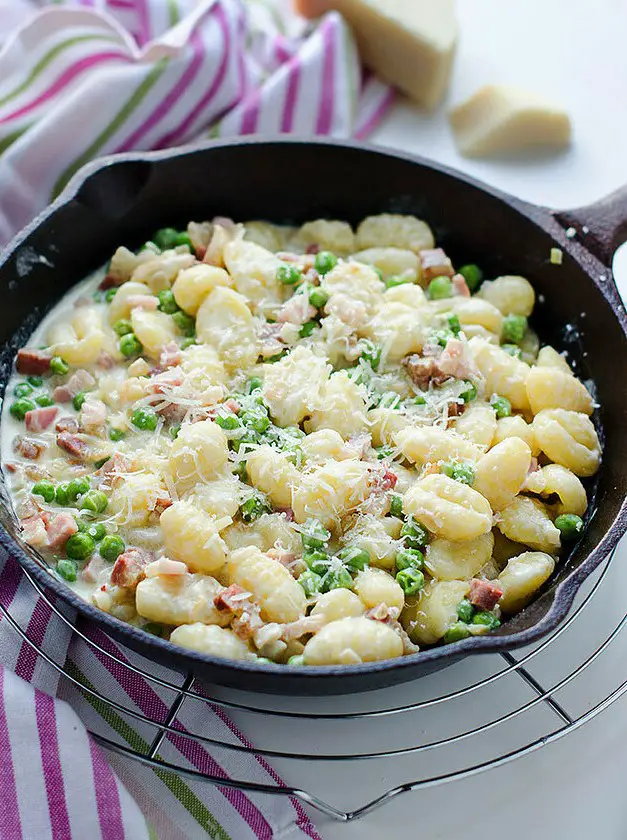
{"points": [[293, 181]]}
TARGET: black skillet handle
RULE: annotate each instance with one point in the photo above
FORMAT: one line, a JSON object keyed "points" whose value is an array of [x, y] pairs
{"points": [[601, 227]]}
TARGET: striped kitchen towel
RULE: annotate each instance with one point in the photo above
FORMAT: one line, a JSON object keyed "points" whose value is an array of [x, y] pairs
{"points": [[78, 80]]}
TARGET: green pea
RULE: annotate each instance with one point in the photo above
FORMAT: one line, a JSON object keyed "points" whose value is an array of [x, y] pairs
{"points": [[473, 276], [77, 487], [174, 430], [371, 354], [318, 297], [514, 328], [20, 408], [58, 366], [297, 660], [257, 421], [145, 419], [116, 434], [44, 400], [383, 452], [187, 342], [396, 280], [456, 632], [454, 324], [469, 394], [67, 570], [442, 337], [314, 534], [409, 558], [487, 619], [61, 496], [324, 262], [101, 462], [45, 489], [419, 400], [96, 531], [512, 350], [396, 506], [253, 384], [253, 508], [569, 525], [414, 533], [464, 473], [317, 560], [440, 288], [411, 581], [249, 436], [78, 400], [79, 546], [501, 405], [306, 330], [184, 239], [185, 323], [110, 294], [22, 390], [35, 381], [288, 275], [354, 558], [465, 611], [130, 345], [111, 547], [122, 327], [310, 582], [336, 579], [165, 238], [227, 421], [154, 628], [167, 302], [95, 501]]}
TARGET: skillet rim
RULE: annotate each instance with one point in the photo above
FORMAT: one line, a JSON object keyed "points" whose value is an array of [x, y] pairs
{"points": [[565, 592]]}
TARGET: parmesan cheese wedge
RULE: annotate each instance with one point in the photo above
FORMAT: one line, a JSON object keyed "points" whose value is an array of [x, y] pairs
{"points": [[499, 119], [408, 43]]}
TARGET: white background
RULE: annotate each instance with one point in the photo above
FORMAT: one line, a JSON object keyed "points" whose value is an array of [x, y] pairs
{"points": [[575, 51]]}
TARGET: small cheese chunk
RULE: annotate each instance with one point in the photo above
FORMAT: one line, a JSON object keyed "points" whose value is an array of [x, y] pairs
{"points": [[408, 44], [501, 119]]}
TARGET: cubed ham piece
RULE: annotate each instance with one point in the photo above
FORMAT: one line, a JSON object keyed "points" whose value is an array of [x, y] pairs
{"points": [[34, 531], [82, 380], [142, 302], [297, 310], [456, 361], [456, 409], [460, 287], [109, 281], [422, 371], [73, 445], [232, 405], [383, 613], [170, 355], [93, 569], [435, 263], [27, 448], [129, 569], [162, 503], [231, 598], [60, 529], [93, 414], [67, 424], [30, 360], [298, 628], [165, 380], [105, 360], [484, 594], [388, 482], [39, 419], [312, 249]]}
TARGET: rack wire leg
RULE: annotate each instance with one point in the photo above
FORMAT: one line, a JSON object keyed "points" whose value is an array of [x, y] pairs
{"points": [[531, 681], [175, 708]]}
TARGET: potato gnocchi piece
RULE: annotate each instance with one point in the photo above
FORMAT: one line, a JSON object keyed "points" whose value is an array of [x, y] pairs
{"points": [[342, 407], [80, 341], [180, 599], [292, 387], [279, 596], [378, 537], [478, 424], [328, 234], [337, 604], [392, 262], [324, 445], [431, 444], [272, 473], [473, 312], [522, 577], [221, 497], [199, 453], [253, 270], [351, 641], [225, 322], [193, 536], [448, 508], [390, 230], [410, 295], [330, 491], [501, 472], [160, 273], [527, 521], [154, 330], [212, 640], [135, 498], [504, 374], [549, 357], [568, 438], [270, 237], [120, 306], [202, 368], [385, 423], [360, 283], [428, 618], [511, 294], [193, 285], [554, 388], [124, 262], [448, 560], [555, 480], [376, 586], [516, 427], [397, 330]]}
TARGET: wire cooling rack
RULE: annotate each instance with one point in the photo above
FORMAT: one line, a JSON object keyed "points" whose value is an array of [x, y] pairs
{"points": [[556, 725]]}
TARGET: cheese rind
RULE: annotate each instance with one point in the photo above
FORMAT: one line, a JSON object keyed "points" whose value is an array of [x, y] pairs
{"points": [[408, 43], [500, 119]]}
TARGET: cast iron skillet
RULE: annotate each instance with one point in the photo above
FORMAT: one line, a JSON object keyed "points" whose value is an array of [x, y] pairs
{"points": [[122, 200]]}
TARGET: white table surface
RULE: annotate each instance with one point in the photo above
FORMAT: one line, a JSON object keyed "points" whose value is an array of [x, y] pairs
{"points": [[574, 51]]}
